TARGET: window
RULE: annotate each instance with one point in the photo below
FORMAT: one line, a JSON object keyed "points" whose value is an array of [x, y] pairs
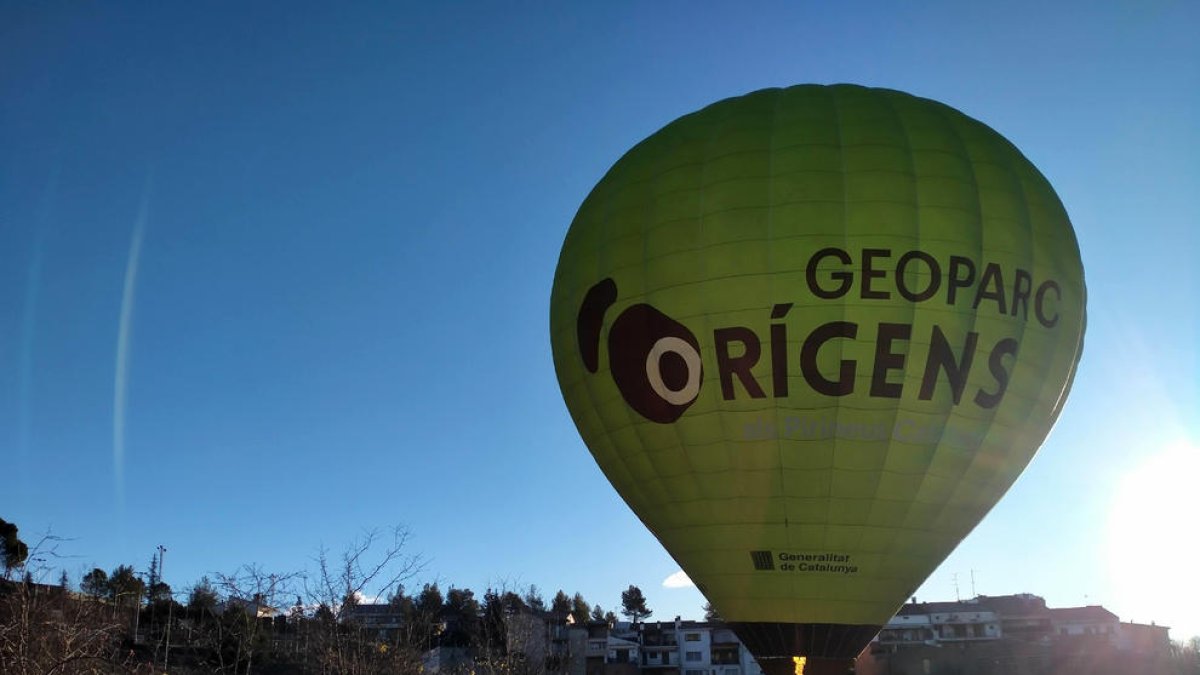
{"points": [[691, 656], [691, 637], [725, 655], [694, 672]]}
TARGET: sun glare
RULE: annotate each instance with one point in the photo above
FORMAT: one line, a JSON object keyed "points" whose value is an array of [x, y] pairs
{"points": [[1153, 551]]}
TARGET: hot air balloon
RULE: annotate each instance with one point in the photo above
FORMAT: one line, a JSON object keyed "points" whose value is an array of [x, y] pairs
{"points": [[812, 335]]}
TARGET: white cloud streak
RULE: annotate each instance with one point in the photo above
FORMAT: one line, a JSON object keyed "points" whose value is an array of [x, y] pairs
{"points": [[124, 337]]}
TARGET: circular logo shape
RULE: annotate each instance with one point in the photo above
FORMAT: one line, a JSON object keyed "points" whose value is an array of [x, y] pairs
{"points": [[655, 362], [657, 372]]}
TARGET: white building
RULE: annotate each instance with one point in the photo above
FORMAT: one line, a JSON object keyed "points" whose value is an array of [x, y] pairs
{"points": [[937, 622], [673, 648]]}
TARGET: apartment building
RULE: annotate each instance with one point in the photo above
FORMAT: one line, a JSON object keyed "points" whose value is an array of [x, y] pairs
{"points": [[667, 648], [1014, 635]]}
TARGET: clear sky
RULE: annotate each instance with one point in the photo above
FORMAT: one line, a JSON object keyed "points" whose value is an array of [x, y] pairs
{"points": [[273, 275]]}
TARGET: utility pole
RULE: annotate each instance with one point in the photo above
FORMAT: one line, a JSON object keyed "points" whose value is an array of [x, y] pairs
{"points": [[957, 597], [973, 593], [162, 554]]}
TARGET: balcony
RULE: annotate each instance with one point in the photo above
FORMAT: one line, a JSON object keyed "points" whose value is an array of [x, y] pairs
{"points": [[659, 660]]}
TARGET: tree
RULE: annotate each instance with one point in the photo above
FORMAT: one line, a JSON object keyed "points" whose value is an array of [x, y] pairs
{"points": [[512, 602], [203, 596], [158, 594], [363, 570], [494, 638], [44, 630], [237, 637], [533, 599], [461, 613], [710, 613], [370, 566], [430, 601], [12, 549], [95, 583], [597, 613], [124, 586], [579, 609], [324, 615], [152, 573], [1184, 657], [633, 604], [561, 604]]}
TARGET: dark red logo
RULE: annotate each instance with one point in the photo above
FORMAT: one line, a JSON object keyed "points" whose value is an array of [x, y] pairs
{"points": [[654, 359]]}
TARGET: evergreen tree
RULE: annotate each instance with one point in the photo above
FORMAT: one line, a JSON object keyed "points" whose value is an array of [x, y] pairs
{"points": [[13, 551], [398, 598], [427, 614], [413, 632], [561, 604], [597, 613], [203, 596], [430, 601], [152, 573], [494, 629], [512, 602], [633, 604], [95, 583], [124, 586], [462, 615], [579, 610], [324, 615], [533, 599]]}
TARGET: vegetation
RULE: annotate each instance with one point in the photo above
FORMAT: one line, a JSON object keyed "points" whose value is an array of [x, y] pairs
{"points": [[259, 622], [633, 604], [13, 551], [255, 621]]}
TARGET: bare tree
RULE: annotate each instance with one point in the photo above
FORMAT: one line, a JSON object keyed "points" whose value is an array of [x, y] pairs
{"points": [[372, 567], [45, 629], [243, 630]]}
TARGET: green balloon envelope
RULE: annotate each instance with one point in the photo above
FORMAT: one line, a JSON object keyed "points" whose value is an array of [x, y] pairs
{"points": [[812, 335]]}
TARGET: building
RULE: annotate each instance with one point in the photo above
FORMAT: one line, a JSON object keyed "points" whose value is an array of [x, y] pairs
{"points": [[1002, 635], [1138, 638], [385, 621], [255, 606], [667, 648], [1013, 635], [930, 623], [1083, 621]]}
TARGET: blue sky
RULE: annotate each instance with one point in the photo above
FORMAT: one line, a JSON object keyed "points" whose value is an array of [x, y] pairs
{"points": [[346, 221]]}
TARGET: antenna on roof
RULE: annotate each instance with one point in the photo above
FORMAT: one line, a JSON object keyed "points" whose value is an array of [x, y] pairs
{"points": [[957, 597], [973, 593]]}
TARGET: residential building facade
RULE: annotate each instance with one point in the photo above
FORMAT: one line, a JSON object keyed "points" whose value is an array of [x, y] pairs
{"points": [[1013, 635]]}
